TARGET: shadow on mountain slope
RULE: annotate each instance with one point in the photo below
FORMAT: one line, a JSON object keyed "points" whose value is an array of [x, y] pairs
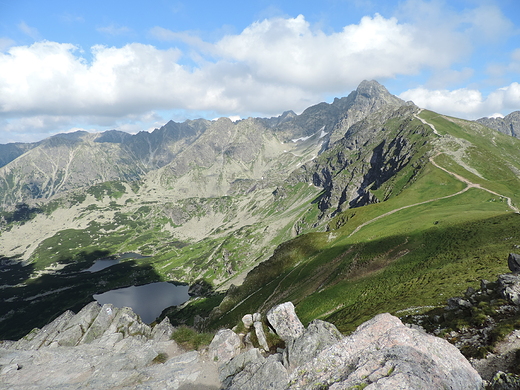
{"points": [[29, 303]]}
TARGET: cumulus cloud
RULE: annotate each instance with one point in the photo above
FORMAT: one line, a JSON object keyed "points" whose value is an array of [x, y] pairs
{"points": [[272, 65], [269, 64], [466, 103]]}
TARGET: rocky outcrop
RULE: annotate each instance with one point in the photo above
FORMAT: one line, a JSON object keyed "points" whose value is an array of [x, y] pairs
{"points": [[513, 262], [382, 354], [106, 347], [102, 348], [285, 322], [482, 325], [385, 354], [509, 125]]}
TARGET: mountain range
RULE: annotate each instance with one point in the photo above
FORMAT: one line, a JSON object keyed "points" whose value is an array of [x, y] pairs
{"points": [[365, 204]]}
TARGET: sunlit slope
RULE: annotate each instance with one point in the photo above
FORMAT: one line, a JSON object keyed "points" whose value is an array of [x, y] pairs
{"points": [[449, 228]]}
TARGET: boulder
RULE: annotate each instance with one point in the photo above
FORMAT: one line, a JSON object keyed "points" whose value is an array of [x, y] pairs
{"points": [[260, 335], [285, 322], [385, 354], [247, 320], [318, 336], [513, 262], [224, 346], [238, 363], [509, 288], [269, 374]]}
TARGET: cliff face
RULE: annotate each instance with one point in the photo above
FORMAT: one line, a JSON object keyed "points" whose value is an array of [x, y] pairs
{"points": [[371, 153]]}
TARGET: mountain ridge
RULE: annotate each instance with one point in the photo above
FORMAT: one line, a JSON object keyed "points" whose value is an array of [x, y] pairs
{"points": [[212, 200]]}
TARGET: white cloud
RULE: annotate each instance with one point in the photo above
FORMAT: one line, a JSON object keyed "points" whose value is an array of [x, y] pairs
{"points": [[466, 103], [271, 66], [5, 43]]}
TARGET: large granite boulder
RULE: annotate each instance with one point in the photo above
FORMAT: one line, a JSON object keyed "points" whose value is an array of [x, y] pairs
{"points": [[385, 354], [509, 288], [268, 374], [318, 336], [224, 346], [285, 322]]}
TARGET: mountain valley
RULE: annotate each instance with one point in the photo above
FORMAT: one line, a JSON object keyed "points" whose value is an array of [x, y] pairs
{"points": [[362, 206]]}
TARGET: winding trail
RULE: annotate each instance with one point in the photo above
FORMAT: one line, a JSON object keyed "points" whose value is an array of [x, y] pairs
{"points": [[469, 184]]}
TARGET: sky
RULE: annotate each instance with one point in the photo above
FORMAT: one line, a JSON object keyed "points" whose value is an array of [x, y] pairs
{"points": [[133, 66]]}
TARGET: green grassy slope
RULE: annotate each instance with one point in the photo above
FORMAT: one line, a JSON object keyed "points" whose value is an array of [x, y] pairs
{"points": [[438, 236]]}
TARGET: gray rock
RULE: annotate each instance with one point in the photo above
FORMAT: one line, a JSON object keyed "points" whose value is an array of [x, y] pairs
{"points": [[457, 303], [509, 125], [163, 331], [247, 320], [260, 335], [224, 346], [99, 326], [270, 374], [285, 322], [509, 288], [257, 317], [75, 329], [318, 336], [238, 363], [42, 337], [384, 354], [128, 323], [513, 262]]}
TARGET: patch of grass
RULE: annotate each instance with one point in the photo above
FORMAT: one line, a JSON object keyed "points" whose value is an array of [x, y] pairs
{"points": [[190, 339]]}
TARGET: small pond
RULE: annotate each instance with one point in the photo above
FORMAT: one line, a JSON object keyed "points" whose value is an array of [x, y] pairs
{"points": [[149, 300], [106, 262]]}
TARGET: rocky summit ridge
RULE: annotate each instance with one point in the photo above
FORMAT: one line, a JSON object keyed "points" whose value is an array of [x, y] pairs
{"points": [[108, 348], [105, 347]]}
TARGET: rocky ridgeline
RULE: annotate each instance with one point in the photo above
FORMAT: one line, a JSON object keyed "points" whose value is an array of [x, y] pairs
{"points": [[484, 325], [108, 348], [102, 348], [382, 353]]}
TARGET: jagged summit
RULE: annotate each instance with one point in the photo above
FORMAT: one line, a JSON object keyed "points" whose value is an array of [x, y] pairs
{"points": [[509, 125]]}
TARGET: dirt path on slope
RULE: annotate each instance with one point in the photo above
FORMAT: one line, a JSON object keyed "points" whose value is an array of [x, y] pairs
{"points": [[469, 185]]}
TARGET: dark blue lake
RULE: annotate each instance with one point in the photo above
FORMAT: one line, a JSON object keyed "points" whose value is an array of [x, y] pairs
{"points": [[149, 300]]}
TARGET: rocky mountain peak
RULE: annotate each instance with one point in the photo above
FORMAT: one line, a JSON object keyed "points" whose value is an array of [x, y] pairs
{"points": [[509, 125]]}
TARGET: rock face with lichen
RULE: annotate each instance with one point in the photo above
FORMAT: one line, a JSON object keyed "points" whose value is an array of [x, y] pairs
{"points": [[382, 354], [102, 348], [106, 347]]}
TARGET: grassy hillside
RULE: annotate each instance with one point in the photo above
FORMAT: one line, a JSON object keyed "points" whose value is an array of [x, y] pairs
{"points": [[444, 232]]}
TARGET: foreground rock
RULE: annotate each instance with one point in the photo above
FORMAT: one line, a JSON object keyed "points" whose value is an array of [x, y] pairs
{"points": [[382, 354], [103, 348], [385, 354], [109, 348]]}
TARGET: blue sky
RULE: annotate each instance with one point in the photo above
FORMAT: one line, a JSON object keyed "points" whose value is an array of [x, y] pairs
{"points": [[129, 65]]}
